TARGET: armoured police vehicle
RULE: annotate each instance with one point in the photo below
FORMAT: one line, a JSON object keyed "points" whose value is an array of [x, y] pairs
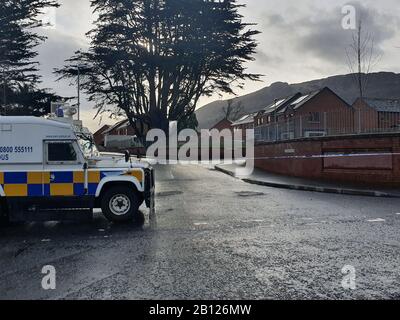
{"points": [[48, 173]]}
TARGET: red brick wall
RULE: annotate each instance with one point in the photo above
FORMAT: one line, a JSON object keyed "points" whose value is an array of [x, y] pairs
{"points": [[363, 168], [289, 166]]}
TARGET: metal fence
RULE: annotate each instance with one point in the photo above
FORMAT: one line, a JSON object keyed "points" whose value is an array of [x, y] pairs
{"points": [[322, 124]]}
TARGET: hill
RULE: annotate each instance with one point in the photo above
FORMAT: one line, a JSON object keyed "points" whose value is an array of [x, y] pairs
{"points": [[380, 85]]}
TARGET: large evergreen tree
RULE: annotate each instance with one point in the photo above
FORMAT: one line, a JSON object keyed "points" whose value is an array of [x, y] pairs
{"points": [[154, 59], [19, 20], [27, 101]]}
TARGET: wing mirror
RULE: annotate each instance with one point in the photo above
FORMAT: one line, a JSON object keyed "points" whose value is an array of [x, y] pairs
{"points": [[127, 156]]}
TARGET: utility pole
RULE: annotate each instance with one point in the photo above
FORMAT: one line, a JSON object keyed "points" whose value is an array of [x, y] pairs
{"points": [[276, 120], [359, 59], [79, 94]]}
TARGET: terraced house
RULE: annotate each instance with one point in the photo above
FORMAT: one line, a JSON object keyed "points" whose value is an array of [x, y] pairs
{"points": [[319, 113]]}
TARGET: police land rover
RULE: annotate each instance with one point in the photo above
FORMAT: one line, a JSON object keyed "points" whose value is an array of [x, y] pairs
{"points": [[47, 173]]}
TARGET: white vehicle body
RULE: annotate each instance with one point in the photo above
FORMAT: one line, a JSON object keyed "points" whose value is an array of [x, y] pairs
{"points": [[41, 160]]}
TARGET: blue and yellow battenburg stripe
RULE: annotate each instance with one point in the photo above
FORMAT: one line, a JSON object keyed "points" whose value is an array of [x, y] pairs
{"points": [[56, 183]]}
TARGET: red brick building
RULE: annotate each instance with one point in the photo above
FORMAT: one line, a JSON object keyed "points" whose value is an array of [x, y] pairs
{"points": [[223, 124], [121, 128], [376, 115], [244, 123], [99, 136], [320, 113], [121, 136], [274, 110]]}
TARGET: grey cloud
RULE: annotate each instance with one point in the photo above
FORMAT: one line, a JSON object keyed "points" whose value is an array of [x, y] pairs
{"points": [[52, 54], [328, 39], [263, 57], [321, 34], [276, 20]]}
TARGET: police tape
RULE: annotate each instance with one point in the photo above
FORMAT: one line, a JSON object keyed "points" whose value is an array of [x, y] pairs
{"points": [[336, 155], [342, 155]]}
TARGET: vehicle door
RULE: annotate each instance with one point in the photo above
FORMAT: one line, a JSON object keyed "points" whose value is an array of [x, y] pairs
{"points": [[63, 171]]}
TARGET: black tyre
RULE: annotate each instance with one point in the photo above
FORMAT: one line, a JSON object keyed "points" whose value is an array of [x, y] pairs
{"points": [[120, 204]]}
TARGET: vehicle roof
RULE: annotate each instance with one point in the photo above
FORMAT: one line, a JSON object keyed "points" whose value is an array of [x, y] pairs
{"points": [[32, 121]]}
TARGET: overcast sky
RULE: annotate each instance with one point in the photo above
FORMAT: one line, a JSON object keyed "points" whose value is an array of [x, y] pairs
{"points": [[300, 41]]}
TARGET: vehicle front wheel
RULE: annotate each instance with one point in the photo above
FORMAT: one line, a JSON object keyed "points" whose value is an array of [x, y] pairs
{"points": [[120, 204]]}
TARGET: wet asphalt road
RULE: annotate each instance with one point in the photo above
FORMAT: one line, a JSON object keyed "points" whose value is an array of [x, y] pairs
{"points": [[215, 238]]}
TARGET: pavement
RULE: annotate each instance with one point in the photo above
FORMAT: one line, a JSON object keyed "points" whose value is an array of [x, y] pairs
{"points": [[214, 237], [268, 179]]}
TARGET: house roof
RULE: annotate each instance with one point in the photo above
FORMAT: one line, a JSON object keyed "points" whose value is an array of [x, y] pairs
{"points": [[275, 105], [249, 118], [115, 126], [280, 105], [384, 105], [126, 124], [102, 129], [301, 101]]}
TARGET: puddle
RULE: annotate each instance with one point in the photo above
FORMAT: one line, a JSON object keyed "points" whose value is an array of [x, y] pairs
{"points": [[249, 194], [201, 224], [169, 193], [377, 220]]}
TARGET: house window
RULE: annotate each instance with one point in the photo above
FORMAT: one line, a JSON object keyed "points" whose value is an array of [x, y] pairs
{"points": [[314, 117], [311, 134]]}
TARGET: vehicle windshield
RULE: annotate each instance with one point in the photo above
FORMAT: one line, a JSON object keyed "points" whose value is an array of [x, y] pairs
{"points": [[88, 146]]}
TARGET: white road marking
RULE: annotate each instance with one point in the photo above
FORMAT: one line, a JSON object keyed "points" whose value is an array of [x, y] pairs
{"points": [[377, 220]]}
